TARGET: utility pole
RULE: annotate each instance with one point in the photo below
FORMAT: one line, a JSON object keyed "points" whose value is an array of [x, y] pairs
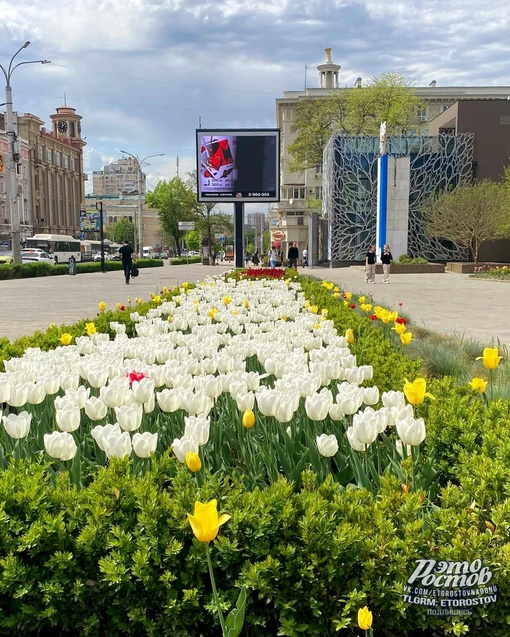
{"points": [[13, 156]]}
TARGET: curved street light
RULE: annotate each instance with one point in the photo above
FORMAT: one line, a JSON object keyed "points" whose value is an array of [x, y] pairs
{"points": [[11, 186], [139, 163]]}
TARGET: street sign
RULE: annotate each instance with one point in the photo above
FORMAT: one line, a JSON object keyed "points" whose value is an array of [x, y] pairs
{"points": [[186, 225], [279, 235]]}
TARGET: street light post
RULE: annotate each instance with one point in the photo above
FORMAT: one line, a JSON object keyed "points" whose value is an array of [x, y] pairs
{"points": [[11, 189], [139, 164]]}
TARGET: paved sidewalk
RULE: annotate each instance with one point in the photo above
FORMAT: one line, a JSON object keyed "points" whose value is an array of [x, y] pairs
{"points": [[449, 302]]}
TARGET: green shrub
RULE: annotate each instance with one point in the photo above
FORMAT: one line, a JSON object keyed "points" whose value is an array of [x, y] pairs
{"points": [[30, 270], [185, 260]]}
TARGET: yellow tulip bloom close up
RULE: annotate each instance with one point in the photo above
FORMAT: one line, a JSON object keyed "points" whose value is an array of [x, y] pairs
{"points": [[349, 335], [248, 419], [193, 461], [490, 358], [365, 618], [205, 521], [415, 392], [478, 384], [406, 338]]}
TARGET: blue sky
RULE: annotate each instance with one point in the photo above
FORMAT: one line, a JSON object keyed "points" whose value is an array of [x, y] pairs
{"points": [[144, 73]]}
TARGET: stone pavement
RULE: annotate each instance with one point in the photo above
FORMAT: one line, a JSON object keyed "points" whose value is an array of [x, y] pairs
{"points": [[450, 302]]}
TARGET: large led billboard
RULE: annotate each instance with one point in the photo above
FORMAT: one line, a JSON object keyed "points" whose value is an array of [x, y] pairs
{"points": [[238, 165]]}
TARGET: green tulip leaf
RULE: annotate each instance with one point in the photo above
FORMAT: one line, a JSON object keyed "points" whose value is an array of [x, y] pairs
{"points": [[235, 619]]}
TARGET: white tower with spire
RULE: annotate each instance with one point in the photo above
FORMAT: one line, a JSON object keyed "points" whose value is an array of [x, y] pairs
{"points": [[328, 72]]}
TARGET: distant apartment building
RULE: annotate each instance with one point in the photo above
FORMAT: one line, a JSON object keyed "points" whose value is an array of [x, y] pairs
{"points": [[117, 178], [302, 192], [50, 174]]}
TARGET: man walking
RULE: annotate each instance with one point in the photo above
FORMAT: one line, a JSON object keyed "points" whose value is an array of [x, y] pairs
{"points": [[293, 255], [126, 251], [370, 260]]}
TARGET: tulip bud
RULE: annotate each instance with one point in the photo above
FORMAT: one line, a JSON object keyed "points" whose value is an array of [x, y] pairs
{"points": [[248, 419], [349, 336], [193, 461], [327, 445]]}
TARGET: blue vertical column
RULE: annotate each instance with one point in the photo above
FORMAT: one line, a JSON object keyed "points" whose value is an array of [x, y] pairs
{"points": [[382, 203]]}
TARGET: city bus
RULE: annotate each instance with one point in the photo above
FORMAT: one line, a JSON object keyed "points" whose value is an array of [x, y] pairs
{"points": [[90, 248], [59, 246]]}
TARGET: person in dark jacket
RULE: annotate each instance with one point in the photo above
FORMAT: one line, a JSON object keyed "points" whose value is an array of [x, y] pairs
{"points": [[126, 252], [293, 255], [370, 265], [386, 259]]}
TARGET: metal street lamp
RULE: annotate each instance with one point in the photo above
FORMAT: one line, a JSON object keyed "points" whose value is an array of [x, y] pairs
{"points": [[139, 164], [11, 186]]}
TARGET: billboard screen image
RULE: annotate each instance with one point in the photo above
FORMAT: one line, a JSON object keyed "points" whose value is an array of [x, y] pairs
{"points": [[238, 165]]}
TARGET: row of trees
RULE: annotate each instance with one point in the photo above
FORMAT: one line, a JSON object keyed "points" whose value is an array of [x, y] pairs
{"points": [[176, 200]]}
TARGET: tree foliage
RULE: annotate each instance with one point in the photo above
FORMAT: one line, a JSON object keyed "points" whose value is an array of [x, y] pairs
{"points": [[175, 201], [468, 215], [123, 229], [357, 111]]}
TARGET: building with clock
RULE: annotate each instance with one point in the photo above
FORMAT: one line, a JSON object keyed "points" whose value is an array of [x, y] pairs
{"points": [[51, 177]]}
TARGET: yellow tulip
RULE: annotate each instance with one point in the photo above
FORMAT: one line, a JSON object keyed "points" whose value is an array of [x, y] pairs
{"points": [[227, 300], [406, 337], [90, 328], [102, 306], [193, 461], [314, 309], [399, 328], [490, 357], [415, 391], [362, 299], [248, 419], [478, 385], [349, 335], [364, 618], [66, 338], [348, 296], [205, 522]]}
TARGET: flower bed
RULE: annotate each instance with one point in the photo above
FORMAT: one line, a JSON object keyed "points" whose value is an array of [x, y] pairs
{"points": [[286, 402]]}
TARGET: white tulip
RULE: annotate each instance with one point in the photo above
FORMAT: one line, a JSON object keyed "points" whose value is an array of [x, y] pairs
{"points": [[181, 446], [266, 401], [117, 445], [367, 371], [19, 395], [142, 389], [145, 444], [393, 399], [245, 401], [97, 376], [335, 412], [149, 406], [365, 428], [129, 417], [5, 389], [327, 445], [286, 407], [370, 395], [197, 427], [353, 441], [17, 425], [100, 431], [51, 383], [354, 375], [115, 394], [410, 431], [78, 395], [169, 400], [349, 405], [317, 406], [36, 394], [68, 419], [60, 445], [95, 408]]}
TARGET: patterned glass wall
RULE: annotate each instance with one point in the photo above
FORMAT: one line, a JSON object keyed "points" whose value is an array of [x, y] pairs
{"points": [[350, 190]]}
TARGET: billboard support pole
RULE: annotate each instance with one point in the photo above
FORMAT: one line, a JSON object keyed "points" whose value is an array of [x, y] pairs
{"points": [[238, 234]]}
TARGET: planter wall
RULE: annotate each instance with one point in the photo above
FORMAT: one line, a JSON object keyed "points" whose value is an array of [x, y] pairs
{"points": [[469, 268], [412, 268]]}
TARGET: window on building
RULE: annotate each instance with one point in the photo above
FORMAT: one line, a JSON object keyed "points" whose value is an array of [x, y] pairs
{"points": [[66, 162], [76, 164], [58, 158], [41, 152], [49, 155], [318, 192], [422, 114]]}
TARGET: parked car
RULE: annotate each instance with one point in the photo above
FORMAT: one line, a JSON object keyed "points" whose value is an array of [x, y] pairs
{"points": [[5, 257], [97, 256], [34, 256]]}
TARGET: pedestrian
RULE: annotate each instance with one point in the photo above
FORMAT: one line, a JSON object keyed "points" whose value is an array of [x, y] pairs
{"points": [[256, 259], [386, 258], [304, 260], [273, 258], [127, 253], [213, 257], [293, 255], [247, 258], [370, 265]]}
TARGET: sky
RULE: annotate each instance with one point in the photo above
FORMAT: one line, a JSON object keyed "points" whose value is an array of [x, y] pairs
{"points": [[145, 74]]}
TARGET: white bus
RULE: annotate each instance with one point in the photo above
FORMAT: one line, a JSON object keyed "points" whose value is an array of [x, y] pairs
{"points": [[90, 248], [59, 246]]}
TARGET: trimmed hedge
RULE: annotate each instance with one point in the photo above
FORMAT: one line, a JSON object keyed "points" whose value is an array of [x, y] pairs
{"points": [[30, 270]]}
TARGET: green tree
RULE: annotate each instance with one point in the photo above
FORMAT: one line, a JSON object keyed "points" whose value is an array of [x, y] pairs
{"points": [[175, 201], [357, 111], [468, 215], [123, 229], [192, 239]]}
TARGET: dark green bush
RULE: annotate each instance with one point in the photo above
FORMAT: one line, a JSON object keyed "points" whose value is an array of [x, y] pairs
{"points": [[30, 270], [185, 260]]}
